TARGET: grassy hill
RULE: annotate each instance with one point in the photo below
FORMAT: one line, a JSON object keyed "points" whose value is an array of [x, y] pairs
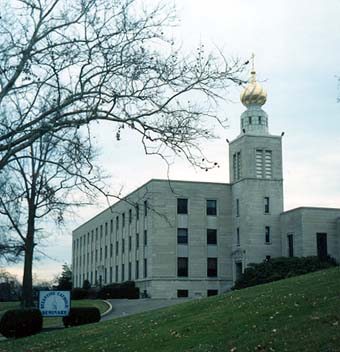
{"points": [[297, 314]]}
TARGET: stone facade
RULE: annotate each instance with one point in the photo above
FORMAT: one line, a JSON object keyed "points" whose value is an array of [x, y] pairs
{"points": [[179, 238]]}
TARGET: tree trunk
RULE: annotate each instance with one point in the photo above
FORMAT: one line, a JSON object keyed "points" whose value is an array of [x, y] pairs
{"points": [[27, 284]]}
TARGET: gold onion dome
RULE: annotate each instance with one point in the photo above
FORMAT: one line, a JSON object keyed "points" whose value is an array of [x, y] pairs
{"points": [[254, 93]]}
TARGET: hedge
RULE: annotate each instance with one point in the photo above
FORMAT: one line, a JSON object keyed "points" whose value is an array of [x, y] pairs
{"points": [[81, 316], [280, 268], [21, 322], [124, 290]]}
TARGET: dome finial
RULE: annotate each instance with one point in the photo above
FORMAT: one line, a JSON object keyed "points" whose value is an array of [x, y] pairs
{"points": [[253, 72]]}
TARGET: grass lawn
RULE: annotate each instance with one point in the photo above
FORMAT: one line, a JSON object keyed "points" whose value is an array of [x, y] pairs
{"points": [[50, 322], [297, 314]]}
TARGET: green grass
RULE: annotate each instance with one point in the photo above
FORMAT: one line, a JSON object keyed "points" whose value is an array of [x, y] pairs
{"points": [[51, 322], [297, 314]]}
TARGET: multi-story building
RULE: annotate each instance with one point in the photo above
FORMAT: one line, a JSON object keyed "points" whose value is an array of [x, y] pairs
{"points": [[180, 238]]}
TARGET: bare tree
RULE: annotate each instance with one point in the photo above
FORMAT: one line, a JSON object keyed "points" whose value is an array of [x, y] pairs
{"points": [[40, 187], [65, 63]]}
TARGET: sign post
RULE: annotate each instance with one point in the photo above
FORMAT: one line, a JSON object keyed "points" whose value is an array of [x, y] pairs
{"points": [[54, 303]]}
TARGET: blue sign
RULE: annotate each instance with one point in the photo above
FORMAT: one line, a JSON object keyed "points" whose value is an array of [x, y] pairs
{"points": [[54, 303]]}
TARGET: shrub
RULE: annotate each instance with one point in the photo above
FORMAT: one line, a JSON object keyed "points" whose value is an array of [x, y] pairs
{"points": [[79, 293], [124, 290], [81, 316], [21, 322], [280, 268]]}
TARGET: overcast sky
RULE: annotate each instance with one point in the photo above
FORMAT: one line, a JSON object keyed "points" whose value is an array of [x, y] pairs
{"points": [[297, 48]]}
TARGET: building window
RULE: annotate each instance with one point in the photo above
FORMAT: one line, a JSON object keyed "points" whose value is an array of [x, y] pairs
{"points": [[182, 236], [106, 229], [96, 256], [111, 278], [249, 120], [100, 255], [266, 205], [137, 269], [111, 250], [145, 268], [290, 239], [267, 234], [130, 243], [238, 236], [123, 220], [130, 216], [211, 207], [212, 267], [117, 247], [105, 276], [260, 120], [123, 272], [101, 231], [117, 223], [129, 274], [137, 212], [182, 293], [182, 206], [111, 227], [145, 208], [321, 243], [211, 236], [182, 267], [145, 238], [212, 293], [237, 207], [116, 273], [123, 245], [137, 240], [105, 252]]}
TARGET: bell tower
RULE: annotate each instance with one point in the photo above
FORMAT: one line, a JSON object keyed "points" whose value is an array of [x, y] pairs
{"points": [[257, 183]]}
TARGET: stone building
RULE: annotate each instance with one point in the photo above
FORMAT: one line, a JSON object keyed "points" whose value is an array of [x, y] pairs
{"points": [[180, 238]]}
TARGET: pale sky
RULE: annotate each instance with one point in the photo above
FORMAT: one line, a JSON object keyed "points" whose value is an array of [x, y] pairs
{"points": [[297, 48]]}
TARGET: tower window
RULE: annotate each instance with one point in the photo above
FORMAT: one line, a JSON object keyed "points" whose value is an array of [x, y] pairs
{"points": [[238, 236], [182, 206], [237, 166], [237, 207], [266, 205], [211, 207], [259, 163], [268, 164], [182, 236], [267, 235]]}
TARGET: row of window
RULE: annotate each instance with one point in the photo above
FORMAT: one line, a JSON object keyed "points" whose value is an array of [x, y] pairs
{"points": [[267, 236], [183, 267], [106, 253], [94, 278], [263, 164], [260, 120], [211, 206], [182, 236], [266, 206], [103, 229], [185, 293]]}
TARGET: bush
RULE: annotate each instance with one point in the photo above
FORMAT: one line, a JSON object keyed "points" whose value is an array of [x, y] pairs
{"points": [[21, 322], [124, 290], [79, 293], [81, 316], [280, 268]]}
